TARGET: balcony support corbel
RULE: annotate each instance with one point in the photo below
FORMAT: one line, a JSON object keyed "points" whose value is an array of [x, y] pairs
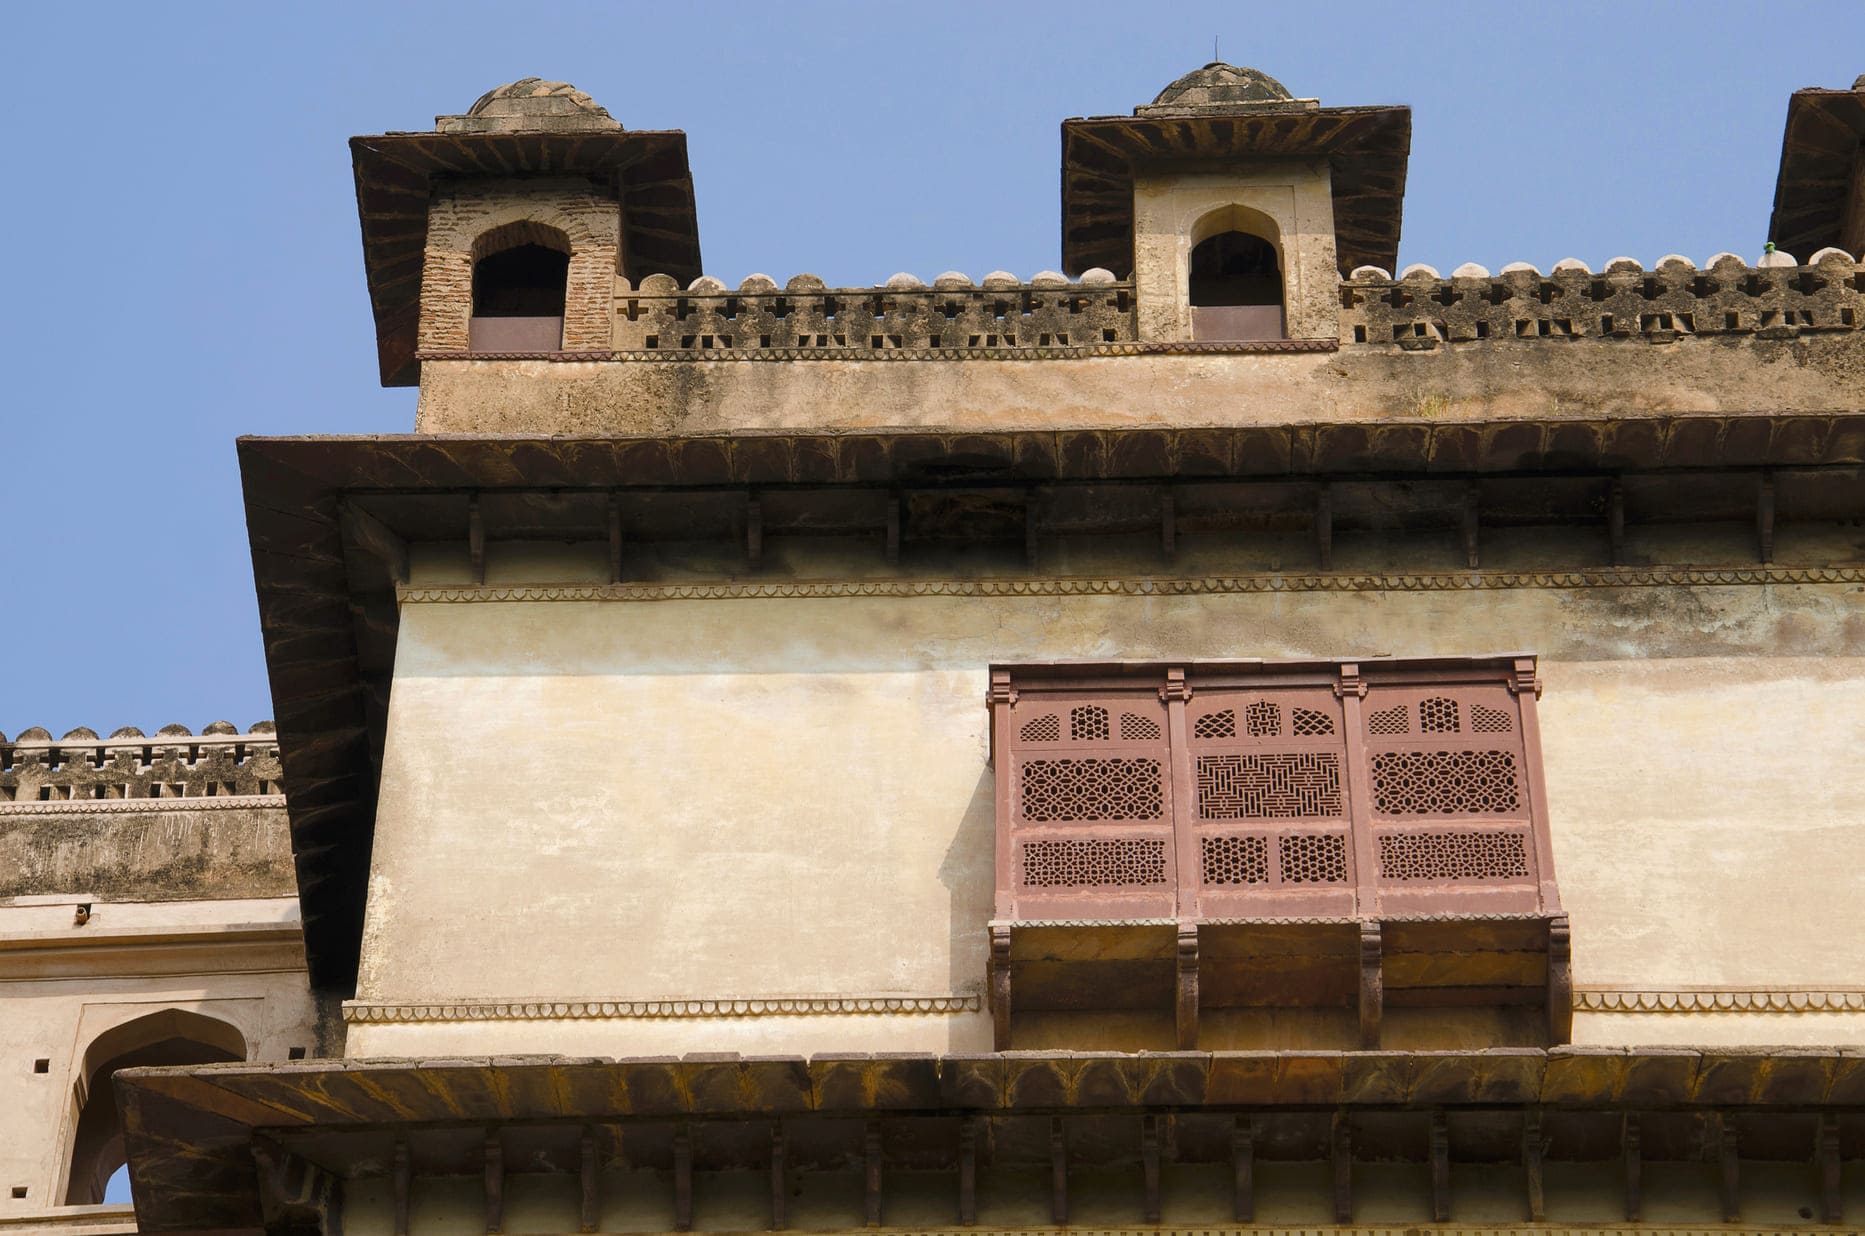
{"points": [[1187, 987], [1560, 981], [1000, 987], [1372, 984]]}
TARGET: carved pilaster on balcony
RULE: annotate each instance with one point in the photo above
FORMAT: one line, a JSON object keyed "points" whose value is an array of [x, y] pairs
{"points": [[1204, 846]]}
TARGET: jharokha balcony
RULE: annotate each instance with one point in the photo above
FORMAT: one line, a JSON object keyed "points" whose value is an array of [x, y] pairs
{"points": [[1241, 842]]}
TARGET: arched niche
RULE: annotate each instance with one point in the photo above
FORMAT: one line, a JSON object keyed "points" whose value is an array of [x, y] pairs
{"points": [[171, 1036], [521, 273], [1235, 278]]}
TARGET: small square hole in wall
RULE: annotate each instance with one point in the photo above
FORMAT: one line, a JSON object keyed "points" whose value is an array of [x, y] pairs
{"points": [[42, 1066], [295, 1053], [19, 1191]]}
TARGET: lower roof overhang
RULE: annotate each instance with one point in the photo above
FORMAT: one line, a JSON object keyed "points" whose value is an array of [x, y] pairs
{"points": [[329, 519], [203, 1140]]}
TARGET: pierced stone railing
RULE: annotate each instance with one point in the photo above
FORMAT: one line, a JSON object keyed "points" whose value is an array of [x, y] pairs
{"points": [[171, 764], [807, 318], [1775, 299]]}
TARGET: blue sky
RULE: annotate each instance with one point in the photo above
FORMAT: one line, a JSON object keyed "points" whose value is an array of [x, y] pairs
{"points": [[186, 265]]}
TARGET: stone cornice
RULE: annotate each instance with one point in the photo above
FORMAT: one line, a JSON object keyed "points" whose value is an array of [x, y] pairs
{"points": [[845, 355], [1150, 586], [143, 806], [1720, 1000], [376, 1012]]}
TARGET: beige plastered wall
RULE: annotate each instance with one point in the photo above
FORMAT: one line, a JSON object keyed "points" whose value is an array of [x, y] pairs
{"points": [[63, 985], [1295, 198], [620, 800], [1497, 380]]}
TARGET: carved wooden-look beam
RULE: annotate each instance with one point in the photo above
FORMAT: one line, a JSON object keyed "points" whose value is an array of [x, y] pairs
{"points": [[1149, 1165], [682, 1179], [591, 1210], [475, 540], [893, 529], [1440, 1167], [1324, 528], [1729, 1169], [1534, 1149], [1826, 1153], [1168, 526], [1634, 1163], [1471, 524], [1243, 1169], [615, 539], [754, 530], [871, 1174], [1764, 517], [1340, 1151], [1058, 1172], [404, 1178], [780, 1183], [1615, 521], [495, 1183], [968, 1171]]}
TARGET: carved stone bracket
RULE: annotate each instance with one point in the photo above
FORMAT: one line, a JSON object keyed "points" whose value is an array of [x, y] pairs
{"points": [[296, 1196]]}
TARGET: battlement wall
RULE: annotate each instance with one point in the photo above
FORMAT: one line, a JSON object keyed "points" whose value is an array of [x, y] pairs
{"points": [[1049, 353], [171, 817]]}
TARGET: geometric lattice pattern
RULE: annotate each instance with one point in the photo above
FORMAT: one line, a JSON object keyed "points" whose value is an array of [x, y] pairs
{"points": [[1084, 789], [1235, 860], [1087, 723], [1138, 729], [1389, 721], [1438, 715], [1308, 722], [1094, 861], [1216, 725], [1489, 720], [1296, 785], [1487, 854], [1445, 782], [1312, 858], [1264, 719], [1042, 729]]}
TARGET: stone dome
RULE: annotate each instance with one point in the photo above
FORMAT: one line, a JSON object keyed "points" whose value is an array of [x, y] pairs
{"points": [[530, 103], [1220, 85]]}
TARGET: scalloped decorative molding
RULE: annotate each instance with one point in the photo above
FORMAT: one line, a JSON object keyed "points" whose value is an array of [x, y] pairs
{"points": [[1436, 581], [116, 806], [1081, 351], [376, 1012], [1720, 1000]]}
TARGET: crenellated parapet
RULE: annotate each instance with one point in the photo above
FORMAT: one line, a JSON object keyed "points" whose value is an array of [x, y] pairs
{"points": [[1775, 299], [172, 764], [805, 317]]}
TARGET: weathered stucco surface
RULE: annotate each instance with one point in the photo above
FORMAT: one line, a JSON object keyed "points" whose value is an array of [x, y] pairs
{"points": [[1497, 380], [1295, 196], [152, 853], [237, 960], [789, 797]]}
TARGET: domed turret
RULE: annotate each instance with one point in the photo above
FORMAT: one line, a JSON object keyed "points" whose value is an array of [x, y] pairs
{"points": [[530, 104], [1222, 87]]}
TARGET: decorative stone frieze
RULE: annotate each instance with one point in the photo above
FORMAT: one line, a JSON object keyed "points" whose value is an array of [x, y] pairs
{"points": [[1420, 309], [1438, 581], [1720, 1000], [375, 1012], [805, 319], [220, 765]]}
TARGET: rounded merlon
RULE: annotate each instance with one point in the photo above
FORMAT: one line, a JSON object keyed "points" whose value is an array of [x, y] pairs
{"points": [[1418, 270], [757, 283], [174, 730], [35, 733], [1775, 257], [904, 282], [805, 283], [1049, 279], [1370, 274], [1221, 85], [1676, 260], [953, 279], [1521, 268], [126, 731], [706, 285], [999, 280], [1470, 270], [1830, 254], [221, 727], [82, 733], [1098, 275], [1624, 266], [1572, 266]]}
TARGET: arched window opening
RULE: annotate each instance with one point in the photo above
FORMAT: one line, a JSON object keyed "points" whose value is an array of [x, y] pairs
{"points": [[173, 1036], [520, 274], [1236, 288]]}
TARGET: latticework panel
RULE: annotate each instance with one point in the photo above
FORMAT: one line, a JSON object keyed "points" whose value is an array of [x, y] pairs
{"points": [[1091, 789], [1312, 858], [1446, 783], [1234, 860], [1474, 854], [1291, 785], [1094, 862]]}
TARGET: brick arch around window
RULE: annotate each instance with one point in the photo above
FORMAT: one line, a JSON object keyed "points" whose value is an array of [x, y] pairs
{"points": [[470, 220]]}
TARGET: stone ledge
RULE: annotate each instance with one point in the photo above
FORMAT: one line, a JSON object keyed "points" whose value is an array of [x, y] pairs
{"points": [[378, 1012]]}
